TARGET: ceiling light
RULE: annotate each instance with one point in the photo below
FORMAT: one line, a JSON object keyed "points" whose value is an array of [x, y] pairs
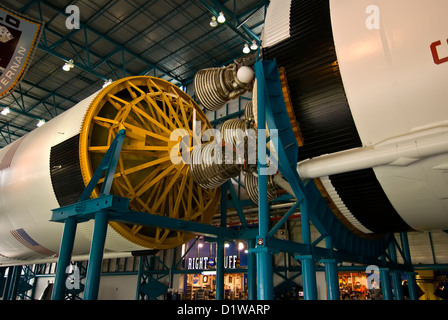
{"points": [[5, 111], [106, 83], [213, 23], [254, 45], [68, 65], [41, 123], [221, 18], [246, 48]]}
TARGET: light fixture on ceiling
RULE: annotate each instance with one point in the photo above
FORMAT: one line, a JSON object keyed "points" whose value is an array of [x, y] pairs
{"points": [[106, 83], [221, 18], [213, 22], [41, 123], [68, 65], [254, 45], [5, 111], [246, 48]]}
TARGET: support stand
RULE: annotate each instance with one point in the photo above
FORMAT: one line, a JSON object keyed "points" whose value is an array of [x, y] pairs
{"points": [[314, 209], [271, 111], [107, 165]]}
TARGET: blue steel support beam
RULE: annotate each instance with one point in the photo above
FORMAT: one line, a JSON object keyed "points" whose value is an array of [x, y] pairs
{"points": [[396, 275], [412, 283], [90, 52], [77, 65], [251, 271], [331, 273], [220, 246], [236, 202], [385, 284], [96, 256], [2, 280], [234, 22], [14, 282], [283, 219], [308, 266], [220, 269], [65, 254], [230, 25], [264, 257], [297, 248], [7, 283], [141, 266]]}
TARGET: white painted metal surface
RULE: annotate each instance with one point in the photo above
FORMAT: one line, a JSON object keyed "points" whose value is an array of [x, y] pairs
{"points": [[27, 195], [276, 25]]}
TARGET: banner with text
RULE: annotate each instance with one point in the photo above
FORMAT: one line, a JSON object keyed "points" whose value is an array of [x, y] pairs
{"points": [[19, 36]]}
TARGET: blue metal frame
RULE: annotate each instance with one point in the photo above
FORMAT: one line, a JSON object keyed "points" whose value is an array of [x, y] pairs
{"points": [[271, 110], [78, 214], [149, 287]]}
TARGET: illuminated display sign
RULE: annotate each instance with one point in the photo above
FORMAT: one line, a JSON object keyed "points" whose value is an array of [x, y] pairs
{"points": [[202, 256], [204, 263]]}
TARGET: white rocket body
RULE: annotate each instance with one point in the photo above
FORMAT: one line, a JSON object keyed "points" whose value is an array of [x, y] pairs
{"points": [[394, 67], [27, 195], [393, 61]]}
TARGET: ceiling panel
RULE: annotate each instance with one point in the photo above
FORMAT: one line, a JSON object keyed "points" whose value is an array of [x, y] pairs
{"points": [[171, 39]]}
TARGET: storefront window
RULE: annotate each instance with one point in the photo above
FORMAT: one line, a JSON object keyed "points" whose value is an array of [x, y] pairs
{"points": [[353, 286], [200, 283]]}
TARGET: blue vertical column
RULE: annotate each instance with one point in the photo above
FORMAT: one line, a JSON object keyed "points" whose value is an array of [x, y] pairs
{"points": [[96, 256], [65, 254], [14, 282], [8, 283], [412, 283], [220, 270], [386, 288], [220, 246], [251, 271], [308, 267], [331, 274], [396, 275], [141, 266], [2, 280], [265, 286]]}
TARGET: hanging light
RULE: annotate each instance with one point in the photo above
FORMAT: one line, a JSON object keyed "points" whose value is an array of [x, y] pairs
{"points": [[68, 65], [221, 18], [5, 111], [213, 22], [254, 45], [246, 48], [41, 123], [106, 83]]}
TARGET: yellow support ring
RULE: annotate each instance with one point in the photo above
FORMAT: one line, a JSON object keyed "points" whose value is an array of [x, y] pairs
{"points": [[149, 109]]}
